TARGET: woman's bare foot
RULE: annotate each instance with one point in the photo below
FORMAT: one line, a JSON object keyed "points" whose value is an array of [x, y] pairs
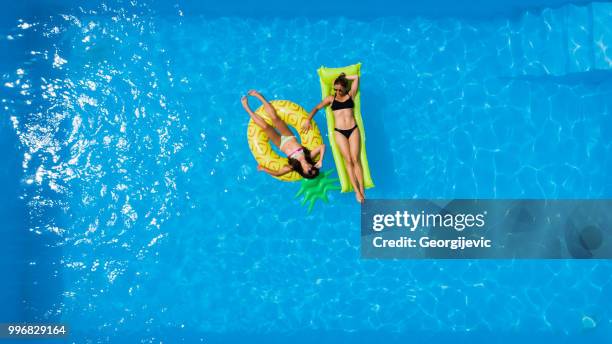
{"points": [[245, 102], [359, 197], [256, 94]]}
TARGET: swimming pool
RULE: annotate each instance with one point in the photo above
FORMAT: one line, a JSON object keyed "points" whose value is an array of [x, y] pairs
{"points": [[136, 210]]}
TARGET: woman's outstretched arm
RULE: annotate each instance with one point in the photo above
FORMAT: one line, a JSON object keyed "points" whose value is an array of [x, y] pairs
{"points": [[325, 102], [284, 170]]}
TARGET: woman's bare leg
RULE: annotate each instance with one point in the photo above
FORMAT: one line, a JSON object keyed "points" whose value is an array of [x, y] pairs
{"points": [[276, 121], [343, 145], [270, 132], [355, 152]]}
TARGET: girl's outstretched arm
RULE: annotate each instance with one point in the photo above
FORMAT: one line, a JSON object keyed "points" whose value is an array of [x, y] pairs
{"points": [[284, 170], [325, 102]]}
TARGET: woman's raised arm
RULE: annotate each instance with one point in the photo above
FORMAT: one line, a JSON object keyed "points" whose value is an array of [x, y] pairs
{"points": [[354, 86]]}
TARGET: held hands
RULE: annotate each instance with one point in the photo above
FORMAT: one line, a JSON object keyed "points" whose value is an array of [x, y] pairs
{"points": [[306, 126], [319, 164]]}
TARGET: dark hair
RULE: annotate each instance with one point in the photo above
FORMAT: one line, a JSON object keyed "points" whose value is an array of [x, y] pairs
{"points": [[297, 166], [342, 81]]}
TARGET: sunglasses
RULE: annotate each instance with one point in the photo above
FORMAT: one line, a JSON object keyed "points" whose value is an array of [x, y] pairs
{"points": [[338, 90]]}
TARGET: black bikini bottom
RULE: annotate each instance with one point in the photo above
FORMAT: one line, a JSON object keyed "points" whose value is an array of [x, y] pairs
{"points": [[346, 132]]}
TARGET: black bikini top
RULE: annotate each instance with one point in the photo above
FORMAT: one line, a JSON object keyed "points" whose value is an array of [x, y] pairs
{"points": [[336, 105]]}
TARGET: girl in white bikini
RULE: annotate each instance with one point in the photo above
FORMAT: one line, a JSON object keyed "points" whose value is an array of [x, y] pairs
{"points": [[299, 158]]}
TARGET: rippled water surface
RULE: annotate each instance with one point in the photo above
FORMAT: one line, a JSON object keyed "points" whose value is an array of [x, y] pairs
{"points": [[140, 189]]}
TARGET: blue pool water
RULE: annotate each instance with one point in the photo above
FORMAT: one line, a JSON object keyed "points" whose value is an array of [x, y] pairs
{"points": [[134, 208]]}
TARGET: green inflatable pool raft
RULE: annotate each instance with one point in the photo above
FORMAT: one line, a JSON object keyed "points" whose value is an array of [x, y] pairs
{"points": [[327, 77]]}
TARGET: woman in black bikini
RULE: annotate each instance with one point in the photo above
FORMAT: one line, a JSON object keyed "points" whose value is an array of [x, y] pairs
{"points": [[346, 131]]}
